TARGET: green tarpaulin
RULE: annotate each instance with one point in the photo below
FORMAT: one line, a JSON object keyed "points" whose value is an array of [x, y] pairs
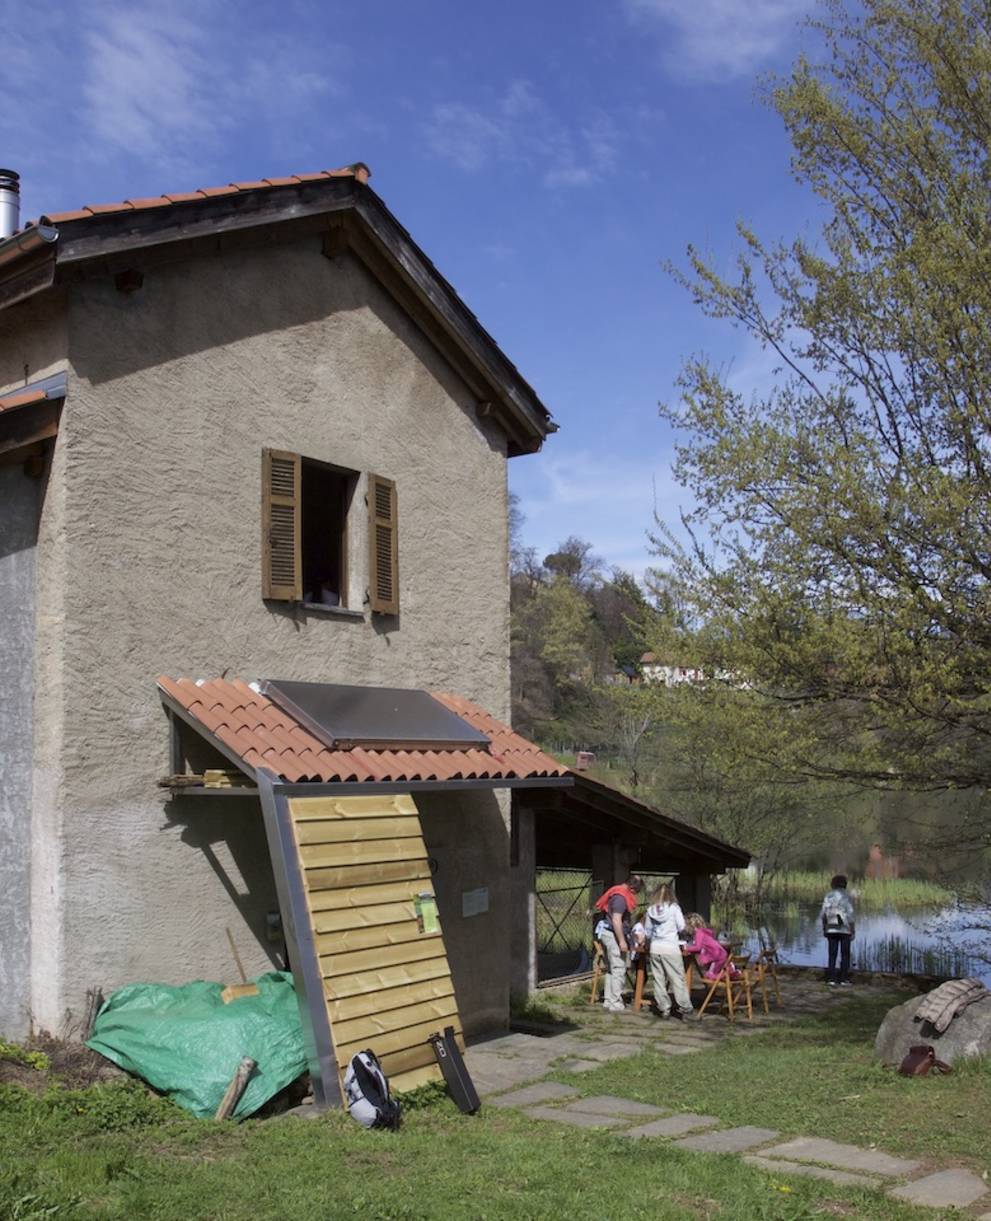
{"points": [[187, 1043]]}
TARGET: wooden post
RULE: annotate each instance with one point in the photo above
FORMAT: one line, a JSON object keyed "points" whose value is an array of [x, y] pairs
{"points": [[238, 1085]]}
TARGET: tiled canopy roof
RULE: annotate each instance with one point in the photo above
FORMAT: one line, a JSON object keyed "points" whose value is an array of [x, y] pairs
{"points": [[22, 398], [359, 170], [262, 735]]}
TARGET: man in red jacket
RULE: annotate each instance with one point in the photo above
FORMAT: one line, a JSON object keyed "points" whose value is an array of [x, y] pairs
{"points": [[617, 905]]}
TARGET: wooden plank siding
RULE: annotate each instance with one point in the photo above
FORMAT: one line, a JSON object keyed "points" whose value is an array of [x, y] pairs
{"points": [[387, 985]]}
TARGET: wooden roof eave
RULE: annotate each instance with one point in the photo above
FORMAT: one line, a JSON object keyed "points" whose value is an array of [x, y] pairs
{"points": [[588, 796], [26, 430]]}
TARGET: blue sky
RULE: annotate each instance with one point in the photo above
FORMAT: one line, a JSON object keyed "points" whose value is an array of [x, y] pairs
{"points": [[547, 156]]}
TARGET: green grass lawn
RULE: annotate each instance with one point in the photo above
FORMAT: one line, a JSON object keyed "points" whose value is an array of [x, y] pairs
{"points": [[818, 1077], [114, 1151]]}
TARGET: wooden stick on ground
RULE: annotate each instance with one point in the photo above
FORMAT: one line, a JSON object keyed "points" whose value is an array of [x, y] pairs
{"points": [[237, 956], [236, 1088]]}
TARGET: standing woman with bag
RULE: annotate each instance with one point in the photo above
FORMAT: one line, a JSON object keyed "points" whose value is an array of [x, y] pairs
{"points": [[838, 929], [663, 924]]}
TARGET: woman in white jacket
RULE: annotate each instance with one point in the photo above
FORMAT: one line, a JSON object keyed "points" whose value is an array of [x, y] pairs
{"points": [[663, 923]]}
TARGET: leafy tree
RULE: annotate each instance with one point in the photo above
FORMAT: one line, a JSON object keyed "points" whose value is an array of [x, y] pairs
{"points": [[841, 555], [627, 719], [575, 561], [565, 639]]}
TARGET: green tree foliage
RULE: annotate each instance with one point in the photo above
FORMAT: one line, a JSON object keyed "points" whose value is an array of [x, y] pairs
{"points": [[573, 628], [842, 544], [565, 633]]}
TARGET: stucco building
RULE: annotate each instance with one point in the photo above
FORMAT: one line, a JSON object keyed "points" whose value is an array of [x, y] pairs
{"points": [[251, 433], [246, 431]]}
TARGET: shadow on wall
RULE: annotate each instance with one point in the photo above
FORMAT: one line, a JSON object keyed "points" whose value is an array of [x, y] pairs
{"points": [[230, 834], [22, 496], [468, 842]]}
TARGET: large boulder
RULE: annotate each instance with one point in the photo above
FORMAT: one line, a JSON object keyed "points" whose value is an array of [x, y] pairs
{"points": [[969, 1034]]}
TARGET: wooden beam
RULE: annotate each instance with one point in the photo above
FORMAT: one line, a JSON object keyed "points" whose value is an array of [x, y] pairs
{"points": [[23, 428]]}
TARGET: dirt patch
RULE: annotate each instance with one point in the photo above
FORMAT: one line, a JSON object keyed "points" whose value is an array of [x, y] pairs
{"points": [[75, 1065], [12, 1073], [70, 1064]]}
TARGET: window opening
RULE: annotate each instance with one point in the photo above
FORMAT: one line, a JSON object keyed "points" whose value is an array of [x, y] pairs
{"points": [[326, 496]]}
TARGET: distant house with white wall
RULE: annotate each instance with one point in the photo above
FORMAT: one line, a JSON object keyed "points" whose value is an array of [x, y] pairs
{"points": [[653, 670]]}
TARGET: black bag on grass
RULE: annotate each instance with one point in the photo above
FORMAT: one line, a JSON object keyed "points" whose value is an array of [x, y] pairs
{"points": [[367, 1092]]}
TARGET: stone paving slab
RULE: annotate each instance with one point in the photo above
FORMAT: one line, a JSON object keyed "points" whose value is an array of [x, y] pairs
{"points": [[541, 1091], [729, 1140], [608, 1104], [846, 1157], [842, 1177], [575, 1118], [577, 1066], [676, 1049], [947, 1189], [674, 1125], [607, 1051]]}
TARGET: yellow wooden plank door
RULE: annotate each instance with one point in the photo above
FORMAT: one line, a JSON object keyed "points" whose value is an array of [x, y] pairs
{"points": [[386, 979]]}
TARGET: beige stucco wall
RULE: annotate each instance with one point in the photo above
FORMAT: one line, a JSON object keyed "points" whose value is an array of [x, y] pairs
{"points": [[32, 340], [32, 346], [173, 392]]}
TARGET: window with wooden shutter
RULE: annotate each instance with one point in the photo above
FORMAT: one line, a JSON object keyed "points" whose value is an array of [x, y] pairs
{"points": [[383, 539], [282, 561]]}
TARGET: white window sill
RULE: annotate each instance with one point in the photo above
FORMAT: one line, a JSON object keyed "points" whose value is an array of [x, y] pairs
{"points": [[338, 612]]}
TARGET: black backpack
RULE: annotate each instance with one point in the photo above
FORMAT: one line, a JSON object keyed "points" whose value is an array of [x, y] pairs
{"points": [[367, 1092]]}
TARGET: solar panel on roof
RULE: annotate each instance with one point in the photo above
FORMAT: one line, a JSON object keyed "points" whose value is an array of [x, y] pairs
{"points": [[374, 717]]}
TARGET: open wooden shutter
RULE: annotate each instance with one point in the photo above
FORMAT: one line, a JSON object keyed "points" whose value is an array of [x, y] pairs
{"points": [[282, 555], [383, 542]]}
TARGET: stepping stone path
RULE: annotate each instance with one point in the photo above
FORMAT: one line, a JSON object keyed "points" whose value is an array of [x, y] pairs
{"points": [[842, 1177], [844, 1157], [576, 1119], [813, 1157], [519, 1060], [729, 1140], [606, 1104], [541, 1091], [947, 1189], [675, 1125], [578, 1066]]}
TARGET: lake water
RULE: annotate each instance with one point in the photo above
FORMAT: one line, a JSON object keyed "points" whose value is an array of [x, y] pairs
{"points": [[940, 941]]}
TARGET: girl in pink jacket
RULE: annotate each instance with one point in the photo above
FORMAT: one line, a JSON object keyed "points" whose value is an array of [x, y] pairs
{"points": [[710, 954]]}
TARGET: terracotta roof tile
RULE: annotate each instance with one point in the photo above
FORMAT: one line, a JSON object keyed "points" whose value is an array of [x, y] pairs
{"points": [[359, 171], [262, 734]]}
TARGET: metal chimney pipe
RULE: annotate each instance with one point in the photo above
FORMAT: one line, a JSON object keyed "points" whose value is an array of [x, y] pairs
{"points": [[10, 203]]}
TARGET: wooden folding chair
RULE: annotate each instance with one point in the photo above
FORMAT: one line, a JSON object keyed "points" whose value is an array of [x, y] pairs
{"points": [[736, 989], [766, 967]]}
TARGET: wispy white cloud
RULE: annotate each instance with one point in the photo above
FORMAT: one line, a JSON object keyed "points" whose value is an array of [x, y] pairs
{"points": [[718, 40], [607, 499], [170, 82], [520, 127]]}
